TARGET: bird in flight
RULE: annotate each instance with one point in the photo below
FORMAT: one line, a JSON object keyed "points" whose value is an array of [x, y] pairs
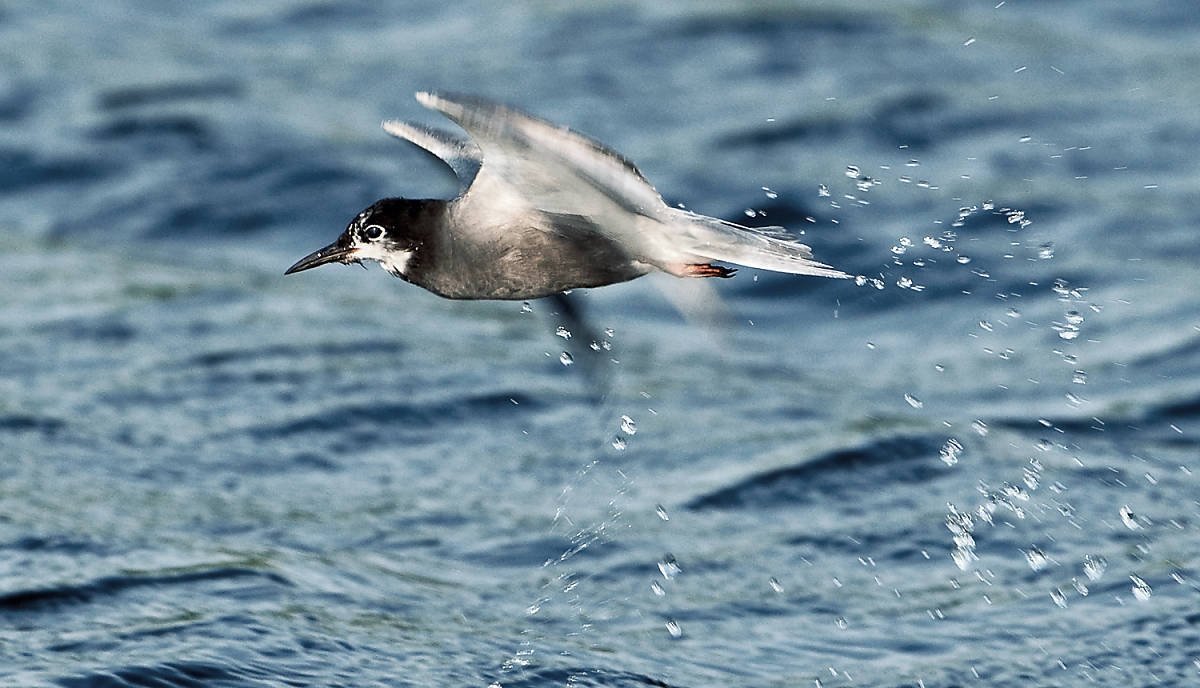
{"points": [[541, 210]]}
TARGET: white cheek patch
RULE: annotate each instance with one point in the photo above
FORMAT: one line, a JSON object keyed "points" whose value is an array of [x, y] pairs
{"points": [[395, 262]]}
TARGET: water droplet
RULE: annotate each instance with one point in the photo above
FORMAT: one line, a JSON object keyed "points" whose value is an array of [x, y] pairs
{"points": [[962, 557], [1036, 559], [969, 41], [841, 623], [963, 260], [1025, 139], [566, 358], [594, 346], [618, 443], [985, 325], [769, 193], [1079, 377], [628, 426], [912, 163], [1046, 251], [657, 588], [951, 451], [823, 191], [674, 629], [913, 401], [1140, 588], [533, 609], [668, 567], [749, 212], [939, 367], [1093, 567], [662, 512], [563, 332], [1074, 317], [980, 427], [1060, 600], [1129, 518], [1080, 587], [852, 171], [525, 307], [1013, 313], [775, 585]]}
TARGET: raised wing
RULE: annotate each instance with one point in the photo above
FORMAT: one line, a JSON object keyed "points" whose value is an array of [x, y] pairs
{"points": [[549, 167], [462, 156]]}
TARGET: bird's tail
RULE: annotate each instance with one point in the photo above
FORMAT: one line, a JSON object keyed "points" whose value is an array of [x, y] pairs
{"points": [[766, 248]]}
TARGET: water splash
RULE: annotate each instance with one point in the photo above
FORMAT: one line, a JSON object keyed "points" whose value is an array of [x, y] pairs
{"points": [[1036, 558], [674, 629], [950, 451], [668, 567], [628, 426], [1129, 518], [1140, 588], [961, 526], [1094, 567]]}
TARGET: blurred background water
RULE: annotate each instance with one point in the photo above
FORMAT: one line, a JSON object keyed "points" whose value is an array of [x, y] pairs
{"points": [[976, 467]]}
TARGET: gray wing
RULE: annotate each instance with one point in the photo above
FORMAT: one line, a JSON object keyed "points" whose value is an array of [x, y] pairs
{"points": [[545, 166], [531, 163], [462, 156]]}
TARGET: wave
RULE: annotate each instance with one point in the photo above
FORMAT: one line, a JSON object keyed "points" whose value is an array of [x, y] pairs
{"points": [[890, 460]]}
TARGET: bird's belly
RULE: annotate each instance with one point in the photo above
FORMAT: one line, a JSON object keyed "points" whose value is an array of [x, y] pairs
{"points": [[533, 264]]}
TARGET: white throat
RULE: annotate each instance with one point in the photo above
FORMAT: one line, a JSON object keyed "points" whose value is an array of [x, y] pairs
{"points": [[395, 262]]}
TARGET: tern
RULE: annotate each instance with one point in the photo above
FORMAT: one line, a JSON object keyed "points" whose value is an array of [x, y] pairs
{"points": [[541, 210]]}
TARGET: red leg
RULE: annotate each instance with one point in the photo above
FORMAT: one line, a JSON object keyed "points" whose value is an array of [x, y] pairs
{"points": [[706, 270]]}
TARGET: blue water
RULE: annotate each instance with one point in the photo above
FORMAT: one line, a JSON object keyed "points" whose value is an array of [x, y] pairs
{"points": [[976, 467]]}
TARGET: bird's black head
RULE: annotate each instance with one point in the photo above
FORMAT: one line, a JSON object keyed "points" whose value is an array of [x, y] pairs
{"points": [[389, 232]]}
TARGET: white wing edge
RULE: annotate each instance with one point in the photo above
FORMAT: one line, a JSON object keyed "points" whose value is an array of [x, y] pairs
{"points": [[593, 163], [462, 156]]}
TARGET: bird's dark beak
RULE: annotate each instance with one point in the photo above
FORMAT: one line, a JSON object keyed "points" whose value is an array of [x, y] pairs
{"points": [[337, 252]]}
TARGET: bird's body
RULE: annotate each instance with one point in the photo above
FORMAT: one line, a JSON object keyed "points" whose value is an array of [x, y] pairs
{"points": [[542, 254], [542, 210]]}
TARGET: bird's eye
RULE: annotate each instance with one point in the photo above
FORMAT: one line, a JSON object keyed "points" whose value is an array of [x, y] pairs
{"points": [[373, 232]]}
